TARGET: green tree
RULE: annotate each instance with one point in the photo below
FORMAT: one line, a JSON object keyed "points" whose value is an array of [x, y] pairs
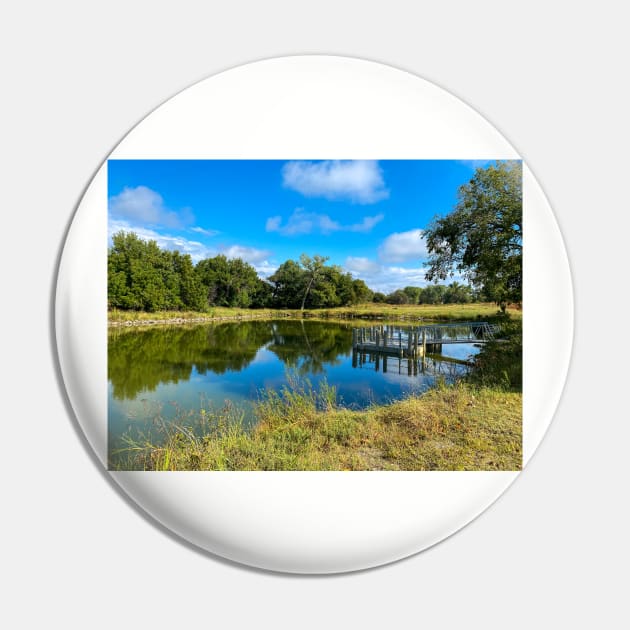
{"points": [[263, 295], [361, 292], [482, 237], [214, 275], [433, 294], [289, 284], [398, 297], [191, 291], [313, 268], [457, 294], [413, 293], [229, 282], [140, 275]]}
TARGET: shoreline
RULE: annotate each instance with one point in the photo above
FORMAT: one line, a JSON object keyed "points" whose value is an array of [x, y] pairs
{"points": [[454, 427], [418, 313]]}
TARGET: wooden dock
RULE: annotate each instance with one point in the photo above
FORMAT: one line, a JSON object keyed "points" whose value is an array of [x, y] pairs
{"points": [[413, 342]]}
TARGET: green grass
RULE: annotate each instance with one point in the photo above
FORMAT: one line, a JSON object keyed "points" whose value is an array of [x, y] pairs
{"points": [[446, 312], [115, 316], [458, 427]]}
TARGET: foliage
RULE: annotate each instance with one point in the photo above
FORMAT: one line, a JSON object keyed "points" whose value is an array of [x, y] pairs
{"points": [[413, 294], [457, 293], [454, 293], [232, 282], [139, 360], [143, 277], [499, 364], [310, 283], [482, 237], [289, 285], [313, 269], [398, 297]]}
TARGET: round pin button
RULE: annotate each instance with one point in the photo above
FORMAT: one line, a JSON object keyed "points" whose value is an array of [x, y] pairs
{"points": [[314, 314]]}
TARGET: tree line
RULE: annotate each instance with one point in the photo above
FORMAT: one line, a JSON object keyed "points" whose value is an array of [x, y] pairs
{"points": [[144, 277], [454, 293]]}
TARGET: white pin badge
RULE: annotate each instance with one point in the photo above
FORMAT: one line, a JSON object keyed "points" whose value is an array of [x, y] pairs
{"points": [[314, 314]]}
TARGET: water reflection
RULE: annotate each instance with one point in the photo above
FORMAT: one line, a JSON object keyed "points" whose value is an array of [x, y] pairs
{"points": [[140, 360], [156, 373]]}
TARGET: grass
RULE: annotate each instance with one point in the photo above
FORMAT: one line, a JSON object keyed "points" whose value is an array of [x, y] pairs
{"points": [[115, 316], [444, 312], [458, 427]]}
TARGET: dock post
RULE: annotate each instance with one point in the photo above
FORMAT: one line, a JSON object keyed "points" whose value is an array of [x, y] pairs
{"points": [[424, 342], [415, 346]]}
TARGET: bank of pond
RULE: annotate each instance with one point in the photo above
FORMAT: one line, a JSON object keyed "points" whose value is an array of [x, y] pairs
{"points": [[287, 394]]}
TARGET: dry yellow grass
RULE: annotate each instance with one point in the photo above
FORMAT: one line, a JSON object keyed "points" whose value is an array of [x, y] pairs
{"points": [[460, 427]]}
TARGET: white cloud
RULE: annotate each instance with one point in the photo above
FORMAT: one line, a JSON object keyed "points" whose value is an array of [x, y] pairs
{"points": [[475, 164], [367, 224], [273, 224], [385, 278], [248, 254], [359, 181], [258, 258], [303, 222], [196, 250], [205, 232], [145, 206], [361, 265], [403, 247], [265, 268]]}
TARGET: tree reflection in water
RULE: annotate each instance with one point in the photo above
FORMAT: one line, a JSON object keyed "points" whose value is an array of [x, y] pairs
{"points": [[142, 359]]}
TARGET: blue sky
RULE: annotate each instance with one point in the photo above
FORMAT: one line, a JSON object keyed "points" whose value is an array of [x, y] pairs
{"points": [[367, 216]]}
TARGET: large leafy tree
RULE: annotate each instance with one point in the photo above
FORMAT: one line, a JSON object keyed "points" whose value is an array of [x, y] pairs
{"points": [[413, 293], [141, 276], [289, 284], [433, 294], [482, 237], [230, 282], [457, 293], [360, 292]]}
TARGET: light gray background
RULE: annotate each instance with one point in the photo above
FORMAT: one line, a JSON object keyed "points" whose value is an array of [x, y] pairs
{"points": [[76, 76]]}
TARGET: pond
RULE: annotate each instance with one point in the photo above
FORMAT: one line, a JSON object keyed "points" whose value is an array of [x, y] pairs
{"points": [[165, 371]]}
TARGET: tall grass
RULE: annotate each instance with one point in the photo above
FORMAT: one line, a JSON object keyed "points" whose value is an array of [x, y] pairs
{"points": [[457, 427]]}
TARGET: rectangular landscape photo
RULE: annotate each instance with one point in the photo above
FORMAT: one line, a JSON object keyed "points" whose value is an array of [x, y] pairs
{"points": [[315, 315]]}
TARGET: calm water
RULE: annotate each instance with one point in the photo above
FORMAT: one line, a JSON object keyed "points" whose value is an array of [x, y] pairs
{"points": [[162, 371]]}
